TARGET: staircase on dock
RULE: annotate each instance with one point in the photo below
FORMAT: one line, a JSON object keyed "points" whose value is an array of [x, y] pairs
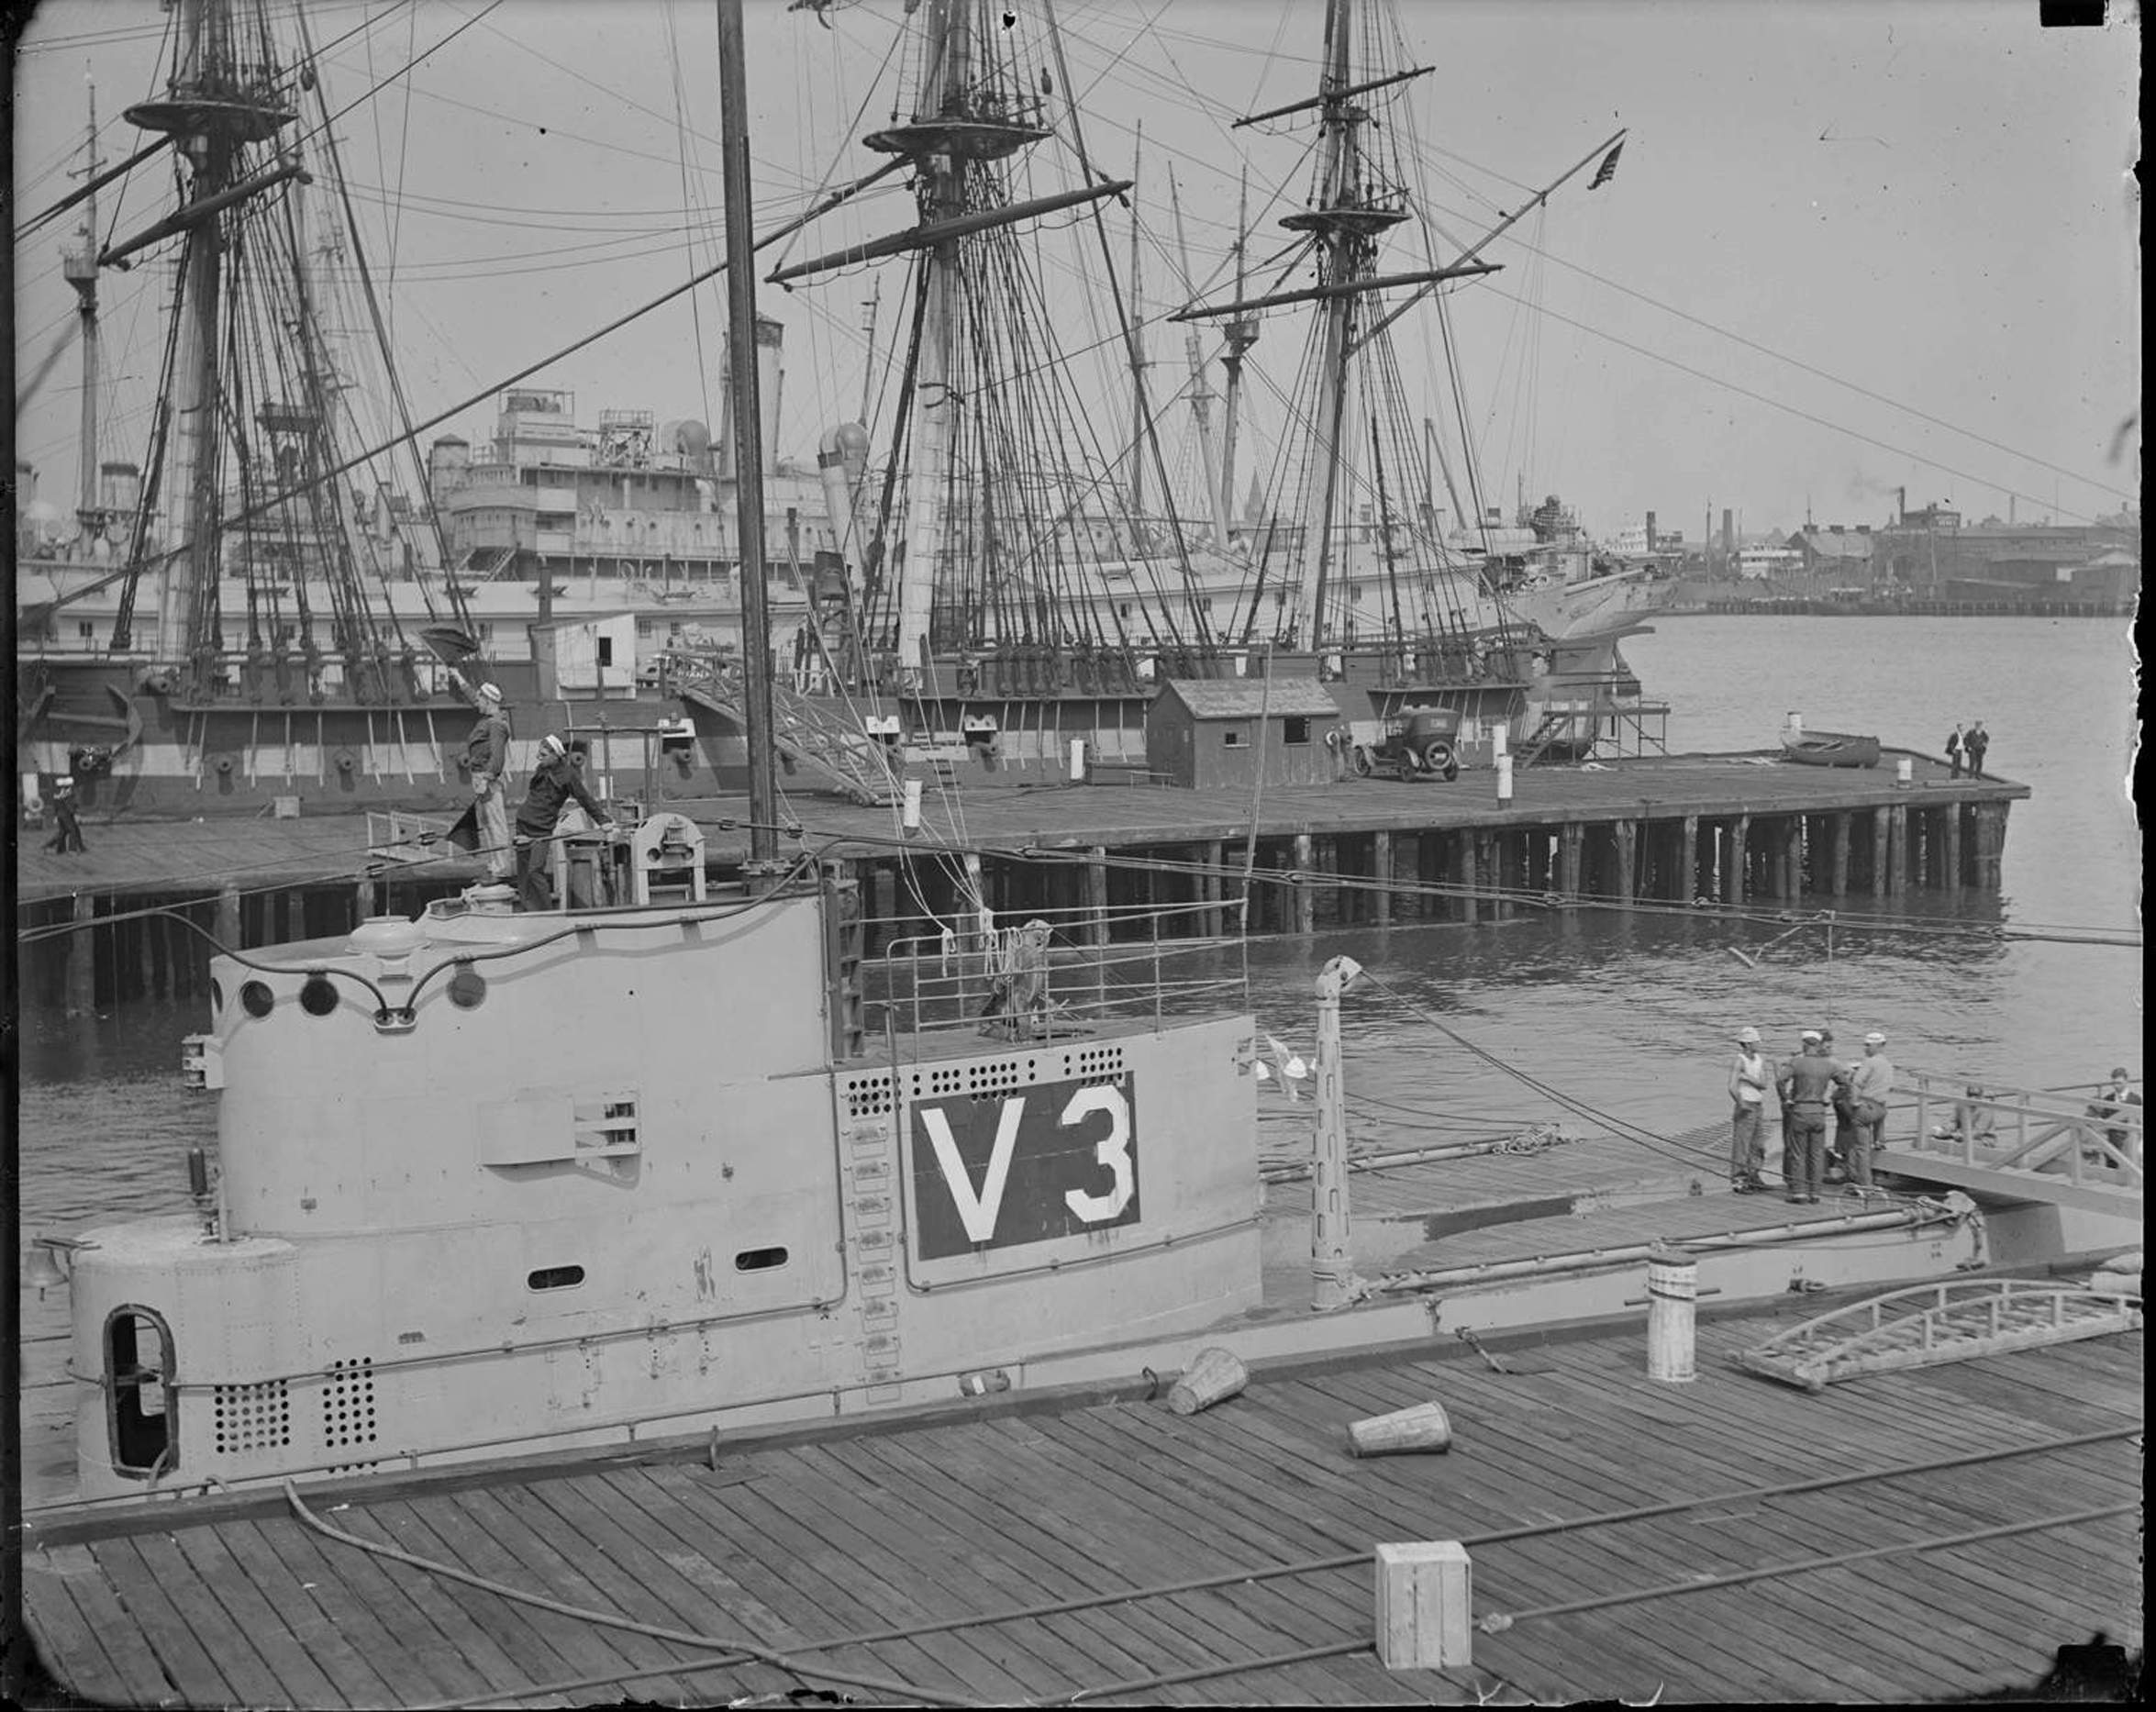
{"points": [[806, 734], [1936, 1323]]}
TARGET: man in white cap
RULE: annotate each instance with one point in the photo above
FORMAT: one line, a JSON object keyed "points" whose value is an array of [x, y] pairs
{"points": [[69, 838], [1805, 1085], [1870, 1080], [1749, 1079], [554, 782], [486, 758]]}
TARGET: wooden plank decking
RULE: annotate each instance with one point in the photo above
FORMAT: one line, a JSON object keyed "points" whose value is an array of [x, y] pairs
{"points": [[322, 845], [851, 1545]]}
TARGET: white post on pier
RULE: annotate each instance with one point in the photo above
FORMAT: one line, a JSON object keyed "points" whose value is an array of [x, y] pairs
{"points": [[1332, 1264], [1673, 1294]]}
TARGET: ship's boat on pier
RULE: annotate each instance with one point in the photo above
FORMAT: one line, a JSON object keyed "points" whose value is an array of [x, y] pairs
{"points": [[1829, 748]]}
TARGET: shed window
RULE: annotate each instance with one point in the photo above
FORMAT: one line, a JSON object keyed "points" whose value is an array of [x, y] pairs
{"points": [[1232, 738], [1296, 728]]}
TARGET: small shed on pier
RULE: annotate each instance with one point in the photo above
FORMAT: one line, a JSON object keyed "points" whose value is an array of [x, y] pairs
{"points": [[1204, 733]]}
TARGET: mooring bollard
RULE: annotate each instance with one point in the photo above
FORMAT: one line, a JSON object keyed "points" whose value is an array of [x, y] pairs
{"points": [[1419, 1427], [1213, 1377], [1673, 1289], [1425, 1606], [1332, 1260]]}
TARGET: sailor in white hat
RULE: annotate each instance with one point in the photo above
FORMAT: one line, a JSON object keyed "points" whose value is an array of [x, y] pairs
{"points": [[486, 759], [555, 783], [68, 840], [1871, 1080], [1805, 1085], [1748, 1078]]}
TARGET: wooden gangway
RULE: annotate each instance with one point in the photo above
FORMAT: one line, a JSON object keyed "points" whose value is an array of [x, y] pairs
{"points": [[1957, 1320], [2026, 1144], [836, 751]]}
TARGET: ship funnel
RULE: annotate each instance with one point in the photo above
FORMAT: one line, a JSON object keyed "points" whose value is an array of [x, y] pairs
{"points": [[691, 439], [841, 460], [771, 338]]}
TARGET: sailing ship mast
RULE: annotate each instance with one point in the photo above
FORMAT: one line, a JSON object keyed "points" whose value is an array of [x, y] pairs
{"points": [[213, 105], [1201, 397], [1346, 221], [968, 117], [1354, 202], [1240, 333], [79, 266]]}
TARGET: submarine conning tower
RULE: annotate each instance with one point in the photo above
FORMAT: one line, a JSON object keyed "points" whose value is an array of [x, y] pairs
{"points": [[500, 1182]]}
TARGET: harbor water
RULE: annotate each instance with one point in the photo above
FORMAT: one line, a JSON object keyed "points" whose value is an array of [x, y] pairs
{"points": [[1628, 1014]]}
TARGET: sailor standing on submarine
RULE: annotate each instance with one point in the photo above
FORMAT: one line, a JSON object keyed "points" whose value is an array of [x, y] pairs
{"points": [[554, 782]]}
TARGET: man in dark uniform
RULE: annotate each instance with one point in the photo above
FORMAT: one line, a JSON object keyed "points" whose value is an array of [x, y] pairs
{"points": [[1976, 743], [1806, 1084], [554, 784], [69, 838]]}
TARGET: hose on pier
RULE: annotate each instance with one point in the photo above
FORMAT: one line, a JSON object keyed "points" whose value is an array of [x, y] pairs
{"points": [[1220, 1579], [741, 1649]]}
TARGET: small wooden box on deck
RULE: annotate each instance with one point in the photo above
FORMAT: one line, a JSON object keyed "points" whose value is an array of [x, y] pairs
{"points": [[1425, 1606]]}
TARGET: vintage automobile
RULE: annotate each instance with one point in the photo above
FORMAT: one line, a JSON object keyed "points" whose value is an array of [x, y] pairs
{"points": [[1422, 744]]}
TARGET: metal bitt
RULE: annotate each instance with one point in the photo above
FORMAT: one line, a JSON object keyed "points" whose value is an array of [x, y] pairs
{"points": [[1332, 1267]]}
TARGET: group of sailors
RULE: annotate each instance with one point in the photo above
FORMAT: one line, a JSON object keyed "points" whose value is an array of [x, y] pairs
{"points": [[1809, 1085]]}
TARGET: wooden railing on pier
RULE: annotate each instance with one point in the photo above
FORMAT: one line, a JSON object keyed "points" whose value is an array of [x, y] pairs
{"points": [[2037, 1144]]}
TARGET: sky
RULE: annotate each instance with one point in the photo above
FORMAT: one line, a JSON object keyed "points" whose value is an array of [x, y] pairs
{"points": [[1851, 246]]}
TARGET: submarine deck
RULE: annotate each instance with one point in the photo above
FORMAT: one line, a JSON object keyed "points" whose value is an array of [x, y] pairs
{"points": [[1037, 1547]]}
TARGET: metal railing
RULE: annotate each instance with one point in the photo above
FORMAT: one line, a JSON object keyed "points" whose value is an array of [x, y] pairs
{"points": [[2089, 1142], [1056, 975]]}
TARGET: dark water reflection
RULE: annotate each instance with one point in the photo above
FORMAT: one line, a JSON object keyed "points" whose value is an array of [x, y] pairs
{"points": [[1629, 1013]]}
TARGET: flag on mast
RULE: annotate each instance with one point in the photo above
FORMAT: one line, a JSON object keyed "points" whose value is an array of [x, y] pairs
{"points": [[1607, 170]]}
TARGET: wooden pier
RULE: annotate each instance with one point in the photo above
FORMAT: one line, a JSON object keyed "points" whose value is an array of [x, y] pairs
{"points": [[1906, 1537], [1718, 829]]}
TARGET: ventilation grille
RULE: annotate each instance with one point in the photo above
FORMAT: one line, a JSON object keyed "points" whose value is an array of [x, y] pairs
{"points": [[867, 1096], [348, 1404], [253, 1418], [1095, 1064], [979, 1080]]}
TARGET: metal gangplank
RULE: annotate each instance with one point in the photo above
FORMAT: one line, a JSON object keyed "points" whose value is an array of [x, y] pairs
{"points": [[806, 734], [1931, 1324], [2020, 1144]]}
